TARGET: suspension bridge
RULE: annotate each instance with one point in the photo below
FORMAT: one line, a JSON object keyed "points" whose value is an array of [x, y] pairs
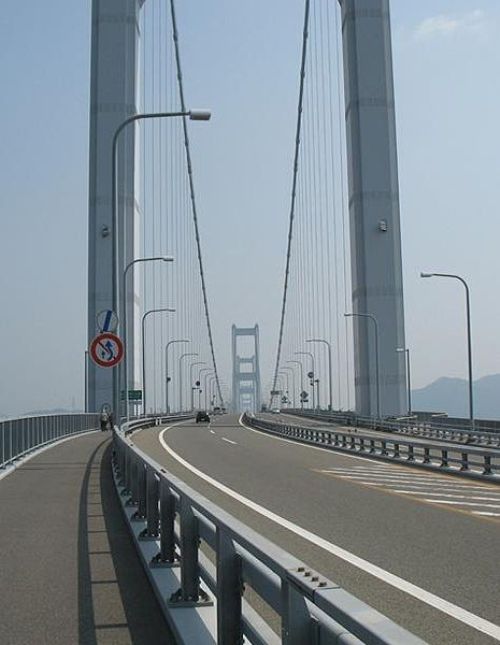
{"points": [[322, 508]]}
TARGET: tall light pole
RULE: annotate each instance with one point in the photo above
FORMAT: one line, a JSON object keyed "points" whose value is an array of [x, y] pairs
{"points": [[301, 381], [405, 350], [143, 325], [167, 377], [469, 335], [194, 115], [157, 258], [206, 386], [292, 372], [284, 375], [311, 356], [377, 368], [330, 385], [191, 380], [185, 355], [203, 369]]}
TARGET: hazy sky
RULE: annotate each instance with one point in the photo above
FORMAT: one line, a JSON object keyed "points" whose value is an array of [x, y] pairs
{"points": [[241, 60]]}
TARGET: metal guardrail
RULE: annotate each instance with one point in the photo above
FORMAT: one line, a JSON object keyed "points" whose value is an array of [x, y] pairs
{"points": [[468, 461], [312, 608], [20, 436], [409, 425]]}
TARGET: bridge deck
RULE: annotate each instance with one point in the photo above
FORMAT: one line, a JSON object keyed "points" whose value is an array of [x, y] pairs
{"points": [[69, 573]]}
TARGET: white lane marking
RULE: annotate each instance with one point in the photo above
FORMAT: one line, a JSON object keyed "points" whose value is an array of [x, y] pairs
{"points": [[460, 614], [483, 499], [229, 441], [212, 431], [447, 501], [487, 513]]}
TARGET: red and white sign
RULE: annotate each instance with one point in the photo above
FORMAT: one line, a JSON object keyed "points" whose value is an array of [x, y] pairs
{"points": [[106, 350]]}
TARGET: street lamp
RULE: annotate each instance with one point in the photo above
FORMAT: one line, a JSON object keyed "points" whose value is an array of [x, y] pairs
{"points": [[157, 258], [292, 371], [206, 385], [194, 115], [191, 380], [405, 350], [148, 313], [311, 356], [301, 381], [203, 369], [330, 385], [167, 377], [469, 335], [377, 370], [181, 402], [284, 375]]}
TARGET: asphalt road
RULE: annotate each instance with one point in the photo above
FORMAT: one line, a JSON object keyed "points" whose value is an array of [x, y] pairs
{"points": [[69, 573], [429, 530]]}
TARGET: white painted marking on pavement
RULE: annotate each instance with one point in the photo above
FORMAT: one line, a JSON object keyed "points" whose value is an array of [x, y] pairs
{"points": [[212, 431], [447, 501], [413, 492], [486, 513], [460, 614], [229, 441]]}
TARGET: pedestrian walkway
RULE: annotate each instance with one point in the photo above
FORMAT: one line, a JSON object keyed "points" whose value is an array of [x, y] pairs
{"points": [[69, 573], [463, 495]]}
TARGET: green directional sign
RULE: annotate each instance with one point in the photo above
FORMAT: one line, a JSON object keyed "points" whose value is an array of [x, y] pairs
{"points": [[133, 395]]}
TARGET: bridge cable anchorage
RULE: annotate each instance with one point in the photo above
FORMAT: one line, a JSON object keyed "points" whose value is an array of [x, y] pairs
{"points": [[294, 190], [193, 196]]}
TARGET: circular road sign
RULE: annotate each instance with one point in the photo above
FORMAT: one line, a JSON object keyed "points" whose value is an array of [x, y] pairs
{"points": [[106, 350], [107, 320]]}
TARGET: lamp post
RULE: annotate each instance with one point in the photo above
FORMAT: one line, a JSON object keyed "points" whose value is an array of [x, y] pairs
{"points": [[206, 385], [86, 379], [311, 356], [301, 381], [167, 377], [181, 402], [377, 375], [292, 371], [284, 375], [469, 335], [191, 380], [330, 385], [194, 115], [143, 325], [406, 351], [157, 258], [206, 370]]}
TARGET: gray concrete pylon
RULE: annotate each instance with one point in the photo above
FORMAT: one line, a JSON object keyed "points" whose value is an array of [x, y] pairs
{"points": [[377, 283], [115, 37]]}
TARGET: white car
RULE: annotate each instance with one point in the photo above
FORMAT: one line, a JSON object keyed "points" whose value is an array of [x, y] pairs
{"points": [[275, 410]]}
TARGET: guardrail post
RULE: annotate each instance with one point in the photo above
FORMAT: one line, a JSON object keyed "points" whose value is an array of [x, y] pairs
{"points": [[229, 592], [383, 449], [487, 465], [151, 532], [397, 454], [427, 455], [295, 617], [465, 461], [189, 593], [132, 472], [166, 556], [140, 513], [444, 459], [411, 453]]}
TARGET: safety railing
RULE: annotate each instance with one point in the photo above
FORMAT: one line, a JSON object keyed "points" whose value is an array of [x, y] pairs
{"points": [[428, 428], [469, 461], [20, 436], [312, 609]]}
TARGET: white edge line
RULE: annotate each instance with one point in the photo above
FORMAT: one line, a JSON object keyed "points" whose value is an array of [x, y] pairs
{"points": [[11, 468], [456, 612], [229, 441]]}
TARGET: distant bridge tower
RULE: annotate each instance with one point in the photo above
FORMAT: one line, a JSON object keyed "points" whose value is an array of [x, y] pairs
{"points": [[246, 393], [113, 97], [377, 283]]}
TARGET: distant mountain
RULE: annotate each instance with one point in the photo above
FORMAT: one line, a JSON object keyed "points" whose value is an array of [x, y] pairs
{"points": [[451, 395]]}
